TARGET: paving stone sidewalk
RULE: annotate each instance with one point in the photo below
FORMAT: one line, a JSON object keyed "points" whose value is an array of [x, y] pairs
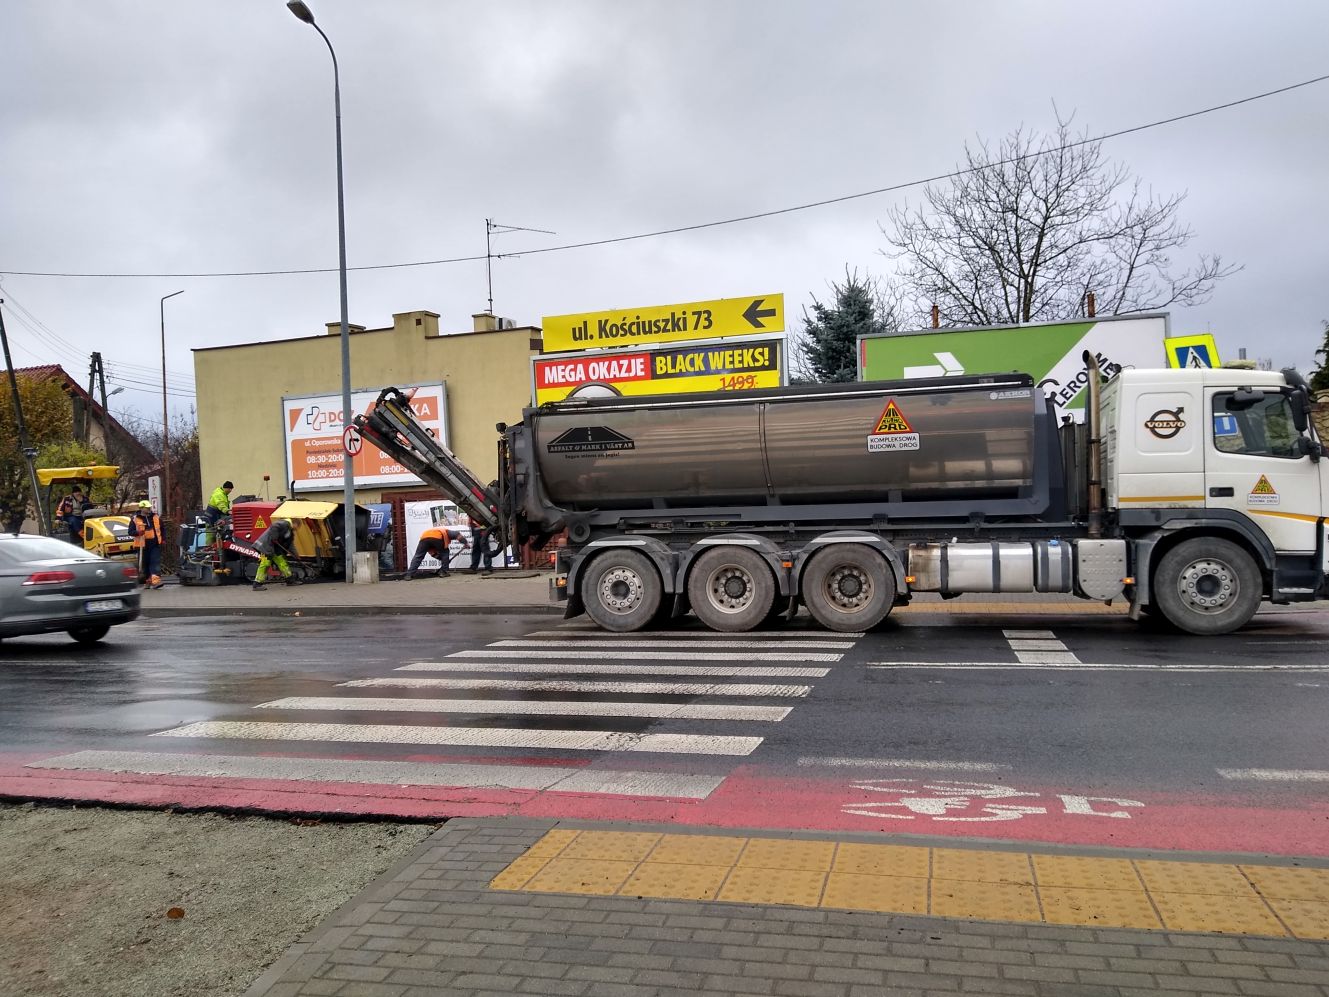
{"points": [[432, 926]]}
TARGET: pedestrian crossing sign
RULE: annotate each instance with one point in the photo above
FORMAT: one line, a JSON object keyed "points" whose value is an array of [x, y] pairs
{"points": [[1192, 351]]}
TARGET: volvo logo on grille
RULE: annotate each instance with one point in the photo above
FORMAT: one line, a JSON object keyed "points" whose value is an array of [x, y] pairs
{"points": [[1166, 423]]}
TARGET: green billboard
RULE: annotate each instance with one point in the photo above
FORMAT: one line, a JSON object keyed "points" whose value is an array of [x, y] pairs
{"points": [[1052, 353]]}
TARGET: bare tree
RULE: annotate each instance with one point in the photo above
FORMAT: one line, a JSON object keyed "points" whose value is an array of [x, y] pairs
{"points": [[1026, 230]]}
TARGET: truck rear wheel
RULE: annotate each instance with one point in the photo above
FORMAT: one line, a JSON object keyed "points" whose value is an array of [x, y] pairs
{"points": [[848, 587], [731, 588], [1207, 586], [621, 590]]}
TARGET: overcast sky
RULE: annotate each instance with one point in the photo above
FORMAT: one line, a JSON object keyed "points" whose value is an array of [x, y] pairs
{"points": [[166, 137]]}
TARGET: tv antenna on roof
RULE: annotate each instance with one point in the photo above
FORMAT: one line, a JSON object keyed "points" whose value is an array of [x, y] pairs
{"points": [[493, 228]]}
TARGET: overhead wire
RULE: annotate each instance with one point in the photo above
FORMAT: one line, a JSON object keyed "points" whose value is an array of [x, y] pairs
{"points": [[892, 188]]}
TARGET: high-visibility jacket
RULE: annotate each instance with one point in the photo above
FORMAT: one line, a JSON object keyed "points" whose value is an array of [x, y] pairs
{"points": [[146, 527], [441, 533], [220, 501]]}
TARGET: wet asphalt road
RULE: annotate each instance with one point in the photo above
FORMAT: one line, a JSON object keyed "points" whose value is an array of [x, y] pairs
{"points": [[1169, 715]]}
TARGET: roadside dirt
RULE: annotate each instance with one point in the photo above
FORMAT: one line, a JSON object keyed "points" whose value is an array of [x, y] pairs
{"points": [[88, 896]]}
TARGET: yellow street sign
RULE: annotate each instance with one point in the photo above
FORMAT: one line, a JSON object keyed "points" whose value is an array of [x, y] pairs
{"points": [[1191, 351], [748, 316]]}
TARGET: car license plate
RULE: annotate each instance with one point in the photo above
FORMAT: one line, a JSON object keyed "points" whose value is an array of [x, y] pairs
{"points": [[104, 605]]}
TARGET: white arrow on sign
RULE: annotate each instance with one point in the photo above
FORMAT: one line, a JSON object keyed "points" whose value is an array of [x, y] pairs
{"points": [[351, 441], [946, 366]]}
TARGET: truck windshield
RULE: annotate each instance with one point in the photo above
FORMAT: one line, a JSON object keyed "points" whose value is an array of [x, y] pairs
{"points": [[1265, 429]]}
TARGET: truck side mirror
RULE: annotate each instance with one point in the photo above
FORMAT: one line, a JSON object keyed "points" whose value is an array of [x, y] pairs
{"points": [[1304, 446], [1301, 410], [1244, 398]]}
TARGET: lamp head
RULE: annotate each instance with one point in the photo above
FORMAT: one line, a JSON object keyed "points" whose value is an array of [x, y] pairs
{"points": [[301, 10]]}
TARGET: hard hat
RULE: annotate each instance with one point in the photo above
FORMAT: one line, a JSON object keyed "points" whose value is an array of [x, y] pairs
{"points": [[145, 504]]}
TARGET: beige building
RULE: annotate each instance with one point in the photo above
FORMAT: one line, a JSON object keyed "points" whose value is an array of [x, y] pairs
{"points": [[242, 418]]}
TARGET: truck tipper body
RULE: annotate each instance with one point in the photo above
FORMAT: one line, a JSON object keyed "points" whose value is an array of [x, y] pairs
{"points": [[1192, 494]]}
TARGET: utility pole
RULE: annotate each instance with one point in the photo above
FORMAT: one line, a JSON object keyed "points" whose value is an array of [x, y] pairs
{"points": [[29, 451], [98, 376]]}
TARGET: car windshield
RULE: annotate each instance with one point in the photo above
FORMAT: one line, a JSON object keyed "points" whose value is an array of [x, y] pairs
{"points": [[20, 550]]}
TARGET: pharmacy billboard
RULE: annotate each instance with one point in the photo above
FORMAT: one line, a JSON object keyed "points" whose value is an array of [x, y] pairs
{"points": [[1051, 353]]}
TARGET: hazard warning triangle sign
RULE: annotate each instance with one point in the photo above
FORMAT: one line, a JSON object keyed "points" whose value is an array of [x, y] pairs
{"points": [[1262, 487], [892, 421], [259, 524]]}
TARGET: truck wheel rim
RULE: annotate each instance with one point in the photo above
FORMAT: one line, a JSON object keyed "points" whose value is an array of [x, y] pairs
{"points": [[1208, 586], [849, 588], [730, 588], [620, 590]]}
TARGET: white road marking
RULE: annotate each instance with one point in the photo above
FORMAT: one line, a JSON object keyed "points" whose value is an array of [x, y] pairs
{"points": [[1085, 666], [819, 761], [591, 630], [528, 707], [1276, 775], [652, 655], [566, 668], [559, 685], [831, 637], [1029, 634], [1036, 645], [484, 737], [1046, 658], [568, 779], [674, 645]]}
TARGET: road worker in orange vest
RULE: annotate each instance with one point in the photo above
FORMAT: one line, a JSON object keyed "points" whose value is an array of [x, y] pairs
{"points": [[436, 540], [145, 526]]}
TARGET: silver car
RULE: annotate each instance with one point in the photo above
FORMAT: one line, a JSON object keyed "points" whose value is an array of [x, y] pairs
{"points": [[48, 585]]}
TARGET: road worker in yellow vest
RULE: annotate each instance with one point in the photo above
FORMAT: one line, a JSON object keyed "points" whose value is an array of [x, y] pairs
{"points": [[145, 526], [275, 544]]}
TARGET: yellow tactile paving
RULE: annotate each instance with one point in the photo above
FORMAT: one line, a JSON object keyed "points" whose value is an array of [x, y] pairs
{"points": [[675, 881], [774, 853], [581, 876], [1195, 877], [756, 885], [892, 894], [982, 867], [989, 901], [944, 882], [881, 860], [1212, 912], [1304, 918], [1075, 872], [1289, 884], [612, 846], [1098, 908], [697, 849]]}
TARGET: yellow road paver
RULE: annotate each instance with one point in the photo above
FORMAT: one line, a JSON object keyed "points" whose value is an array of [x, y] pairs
{"points": [[1142, 894]]}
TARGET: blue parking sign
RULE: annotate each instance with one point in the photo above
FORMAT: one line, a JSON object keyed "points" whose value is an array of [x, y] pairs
{"points": [[1225, 425]]}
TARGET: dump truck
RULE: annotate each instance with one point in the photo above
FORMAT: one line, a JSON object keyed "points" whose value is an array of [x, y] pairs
{"points": [[1193, 495]]}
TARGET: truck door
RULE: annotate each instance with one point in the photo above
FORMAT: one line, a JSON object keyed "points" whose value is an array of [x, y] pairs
{"points": [[1256, 463]]}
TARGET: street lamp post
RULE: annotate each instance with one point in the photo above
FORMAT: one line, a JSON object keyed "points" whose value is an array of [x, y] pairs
{"points": [[302, 11], [166, 421]]}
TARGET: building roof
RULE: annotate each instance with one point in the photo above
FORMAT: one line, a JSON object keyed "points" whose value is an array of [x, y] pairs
{"points": [[71, 387], [356, 330]]}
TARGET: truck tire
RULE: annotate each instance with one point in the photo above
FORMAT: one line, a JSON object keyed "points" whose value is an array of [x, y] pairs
{"points": [[621, 590], [731, 588], [848, 587], [1207, 586]]}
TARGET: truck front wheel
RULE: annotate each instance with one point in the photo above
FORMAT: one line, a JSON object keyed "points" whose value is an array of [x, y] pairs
{"points": [[731, 588], [1207, 586], [848, 587], [621, 590]]}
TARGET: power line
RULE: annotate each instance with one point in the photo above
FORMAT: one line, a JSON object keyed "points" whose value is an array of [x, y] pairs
{"points": [[713, 224]]}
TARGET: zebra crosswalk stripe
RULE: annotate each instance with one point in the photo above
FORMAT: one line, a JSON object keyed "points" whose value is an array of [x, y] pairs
{"points": [[486, 737], [617, 655], [570, 668], [528, 707], [561, 685]]}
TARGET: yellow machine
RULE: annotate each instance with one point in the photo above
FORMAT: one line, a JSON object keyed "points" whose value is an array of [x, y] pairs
{"points": [[312, 528], [104, 534]]}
